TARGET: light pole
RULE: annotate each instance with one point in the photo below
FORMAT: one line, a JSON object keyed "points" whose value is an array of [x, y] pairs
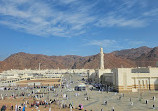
{"points": [[70, 93]]}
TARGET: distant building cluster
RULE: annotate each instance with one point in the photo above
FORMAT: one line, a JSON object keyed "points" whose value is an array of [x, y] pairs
{"points": [[14, 77], [118, 79]]}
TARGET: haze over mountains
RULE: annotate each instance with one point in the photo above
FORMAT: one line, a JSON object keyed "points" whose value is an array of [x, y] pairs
{"points": [[142, 57]]}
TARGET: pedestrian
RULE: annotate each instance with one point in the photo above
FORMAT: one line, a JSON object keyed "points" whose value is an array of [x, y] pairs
{"points": [[49, 108], [131, 103], [146, 101], [3, 108], [23, 108], [11, 107], [16, 107], [153, 106], [113, 109], [70, 108], [105, 102], [154, 98], [2, 96], [119, 97]]}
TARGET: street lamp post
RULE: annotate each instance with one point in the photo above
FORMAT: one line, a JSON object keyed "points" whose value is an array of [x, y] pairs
{"points": [[70, 93]]}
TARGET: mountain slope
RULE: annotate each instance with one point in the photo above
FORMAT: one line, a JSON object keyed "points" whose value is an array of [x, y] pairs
{"points": [[23, 60], [110, 61], [30, 61], [149, 59], [132, 53], [138, 57]]}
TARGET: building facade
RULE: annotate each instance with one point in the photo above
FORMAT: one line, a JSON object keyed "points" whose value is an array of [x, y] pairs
{"points": [[125, 79], [135, 79]]}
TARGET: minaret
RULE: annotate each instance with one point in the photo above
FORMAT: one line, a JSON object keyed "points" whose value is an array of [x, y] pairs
{"points": [[101, 59]]}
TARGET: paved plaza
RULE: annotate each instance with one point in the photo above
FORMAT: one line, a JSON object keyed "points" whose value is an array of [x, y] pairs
{"points": [[120, 102], [90, 99]]}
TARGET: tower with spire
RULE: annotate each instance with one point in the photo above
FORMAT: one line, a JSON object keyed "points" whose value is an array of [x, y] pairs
{"points": [[101, 59]]}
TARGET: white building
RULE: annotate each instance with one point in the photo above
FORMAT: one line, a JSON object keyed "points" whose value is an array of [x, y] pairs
{"points": [[125, 79], [135, 79]]}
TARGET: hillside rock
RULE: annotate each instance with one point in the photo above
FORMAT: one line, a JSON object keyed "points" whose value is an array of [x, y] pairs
{"points": [[149, 59], [30, 61], [138, 57], [132, 53]]}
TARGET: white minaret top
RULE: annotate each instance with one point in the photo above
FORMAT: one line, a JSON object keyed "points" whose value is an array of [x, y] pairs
{"points": [[101, 59]]}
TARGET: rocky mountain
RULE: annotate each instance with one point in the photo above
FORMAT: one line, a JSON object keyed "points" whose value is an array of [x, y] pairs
{"points": [[148, 59], [110, 61], [142, 56], [30, 61], [132, 53]]}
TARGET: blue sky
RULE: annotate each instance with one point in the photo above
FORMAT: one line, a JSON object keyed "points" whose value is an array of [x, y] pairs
{"points": [[76, 27]]}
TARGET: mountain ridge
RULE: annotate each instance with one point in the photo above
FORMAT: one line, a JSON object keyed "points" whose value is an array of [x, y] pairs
{"points": [[132, 53], [123, 58]]}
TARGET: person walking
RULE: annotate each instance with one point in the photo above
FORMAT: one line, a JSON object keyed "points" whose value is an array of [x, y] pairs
{"points": [[131, 103], [16, 107], [49, 108], [3, 108], [146, 101], [113, 109], [23, 108], [11, 107], [153, 106]]}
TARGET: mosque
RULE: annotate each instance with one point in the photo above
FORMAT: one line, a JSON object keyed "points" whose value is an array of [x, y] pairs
{"points": [[125, 79]]}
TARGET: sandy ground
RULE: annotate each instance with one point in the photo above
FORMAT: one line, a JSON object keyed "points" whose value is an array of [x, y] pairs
{"points": [[41, 80], [10, 101], [49, 81]]}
